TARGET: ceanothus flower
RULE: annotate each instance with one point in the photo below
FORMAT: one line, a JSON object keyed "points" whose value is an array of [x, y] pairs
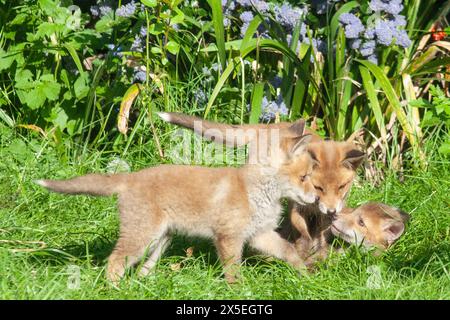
{"points": [[373, 58], [127, 10], [353, 26], [288, 16], [137, 45], [200, 97], [389, 6], [270, 109], [355, 43], [246, 16], [368, 48], [140, 76]]}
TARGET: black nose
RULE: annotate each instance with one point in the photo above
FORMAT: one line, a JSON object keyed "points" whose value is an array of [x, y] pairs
{"points": [[331, 212]]}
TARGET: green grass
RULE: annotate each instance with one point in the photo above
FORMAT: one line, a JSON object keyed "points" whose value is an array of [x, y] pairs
{"points": [[81, 231]]}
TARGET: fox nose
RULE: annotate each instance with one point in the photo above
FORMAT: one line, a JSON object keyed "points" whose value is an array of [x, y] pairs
{"points": [[331, 212]]}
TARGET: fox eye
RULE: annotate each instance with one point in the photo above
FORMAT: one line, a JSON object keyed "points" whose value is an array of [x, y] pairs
{"points": [[318, 188], [342, 186], [303, 178], [361, 222]]}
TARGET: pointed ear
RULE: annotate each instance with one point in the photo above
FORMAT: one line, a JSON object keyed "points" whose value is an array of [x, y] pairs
{"points": [[353, 159], [300, 145], [298, 128], [393, 230]]}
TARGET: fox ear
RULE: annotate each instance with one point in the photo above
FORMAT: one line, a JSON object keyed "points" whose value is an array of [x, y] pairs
{"points": [[394, 230], [300, 145], [353, 159], [298, 128]]}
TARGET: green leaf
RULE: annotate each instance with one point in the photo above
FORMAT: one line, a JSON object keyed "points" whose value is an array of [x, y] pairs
{"points": [[150, 3], [156, 29], [216, 6], [24, 79], [6, 59], [81, 87], [253, 26], [156, 50], [59, 117], [257, 95], [373, 100], [34, 98], [51, 90], [172, 47], [178, 18], [444, 148], [407, 125], [73, 53], [226, 73], [7, 119]]}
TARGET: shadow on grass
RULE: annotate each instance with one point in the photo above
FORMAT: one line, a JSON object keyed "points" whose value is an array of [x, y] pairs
{"points": [[431, 258], [97, 250]]}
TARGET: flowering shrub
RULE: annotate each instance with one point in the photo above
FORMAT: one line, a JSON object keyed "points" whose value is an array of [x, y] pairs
{"points": [[76, 69]]}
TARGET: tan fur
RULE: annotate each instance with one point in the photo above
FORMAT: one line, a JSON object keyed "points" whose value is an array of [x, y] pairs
{"points": [[335, 162], [229, 205], [313, 233]]}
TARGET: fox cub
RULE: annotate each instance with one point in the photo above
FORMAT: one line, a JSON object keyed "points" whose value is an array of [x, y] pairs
{"points": [[371, 225], [230, 205], [334, 163]]}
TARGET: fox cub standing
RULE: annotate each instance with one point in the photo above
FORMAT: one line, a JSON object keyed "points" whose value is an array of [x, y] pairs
{"points": [[230, 205]]}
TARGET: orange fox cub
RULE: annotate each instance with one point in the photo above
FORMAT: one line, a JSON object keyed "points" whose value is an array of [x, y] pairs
{"points": [[335, 163], [369, 225], [230, 205]]}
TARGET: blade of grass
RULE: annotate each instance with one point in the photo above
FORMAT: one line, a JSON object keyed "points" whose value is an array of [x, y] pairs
{"points": [[257, 95], [373, 101], [223, 77], [217, 16], [408, 127]]}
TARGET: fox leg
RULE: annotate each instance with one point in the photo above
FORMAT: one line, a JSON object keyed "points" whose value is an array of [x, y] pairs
{"points": [[155, 254], [140, 229], [230, 249], [270, 242]]}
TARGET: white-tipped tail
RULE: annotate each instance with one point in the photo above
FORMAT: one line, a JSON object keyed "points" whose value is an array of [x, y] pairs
{"points": [[165, 116], [42, 183]]}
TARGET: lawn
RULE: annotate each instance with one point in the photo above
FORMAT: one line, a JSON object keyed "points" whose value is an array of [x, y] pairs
{"points": [[54, 246]]}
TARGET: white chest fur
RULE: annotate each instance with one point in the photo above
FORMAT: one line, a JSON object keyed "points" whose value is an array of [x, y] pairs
{"points": [[264, 199]]}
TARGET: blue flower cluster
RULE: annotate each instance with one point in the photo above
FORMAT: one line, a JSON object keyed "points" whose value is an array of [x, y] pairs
{"points": [[269, 109], [101, 9], [126, 10], [386, 28], [139, 76]]}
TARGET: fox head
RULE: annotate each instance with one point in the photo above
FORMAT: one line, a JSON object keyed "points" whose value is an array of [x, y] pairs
{"points": [[334, 169], [371, 225], [297, 170]]}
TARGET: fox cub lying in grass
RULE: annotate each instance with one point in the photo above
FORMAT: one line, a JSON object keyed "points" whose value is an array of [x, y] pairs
{"points": [[371, 225], [229, 205]]}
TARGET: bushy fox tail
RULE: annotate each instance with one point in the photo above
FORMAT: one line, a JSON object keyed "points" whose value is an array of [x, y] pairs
{"points": [[90, 184], [231, 135]]}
